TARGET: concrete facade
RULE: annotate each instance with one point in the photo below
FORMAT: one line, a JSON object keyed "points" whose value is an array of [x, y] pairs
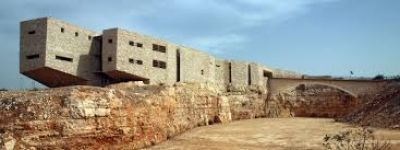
{"points": [[56, 53]]}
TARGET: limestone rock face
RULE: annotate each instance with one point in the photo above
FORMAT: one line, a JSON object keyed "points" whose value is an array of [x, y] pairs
{"points": [[132, 116], [312, 101], [119, 117]]}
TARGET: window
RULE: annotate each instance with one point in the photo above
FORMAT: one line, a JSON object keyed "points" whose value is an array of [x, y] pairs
{"points": [[109, 59], [131, 43], [64, 58], [109, 40], [163, 64], [139, 62], [202, 72], [139, 44], [131, 60], [159, 48], [62, 30], [159, 64], [155, 47], [32, 56], [89, 37], [76, 34], [162, 49], [32, 32]]}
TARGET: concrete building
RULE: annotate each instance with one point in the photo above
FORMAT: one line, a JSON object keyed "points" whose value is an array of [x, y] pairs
{"points": [[56, 53]]}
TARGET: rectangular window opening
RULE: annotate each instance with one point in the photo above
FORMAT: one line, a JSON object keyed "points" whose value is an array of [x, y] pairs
{"points": [[155, 47], [62, 30], [32, 32], [139, 44], [131, 43], [89, 37], [64, 58], [109, 59], [131, 60], [139, 62], [163, 64], [162, 49], [155, 63], [159, 64], [76, 34], [32, 56], [110, 41]]}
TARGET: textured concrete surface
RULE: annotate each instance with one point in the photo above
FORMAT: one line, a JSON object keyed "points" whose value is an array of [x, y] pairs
{"points": [[261, 134]]}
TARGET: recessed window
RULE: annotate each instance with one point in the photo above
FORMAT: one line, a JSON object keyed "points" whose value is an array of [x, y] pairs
{"points": [[131, 60], [32, 56], [159, 48], [110, 41], [202, 72], [131, 43], [62, 30], [218, 66], [139, 62], [32, 32], [64, 58], [89, 37], [159, 64], [155, 47], [109, 59], [162, 49], [139, 44], [76, 34]]}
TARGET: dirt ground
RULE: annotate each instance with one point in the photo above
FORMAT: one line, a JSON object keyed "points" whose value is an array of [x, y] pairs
{"points": [[275, 134]]}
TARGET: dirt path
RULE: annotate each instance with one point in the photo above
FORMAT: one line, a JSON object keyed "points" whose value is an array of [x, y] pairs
{"points": [[276, 134]]}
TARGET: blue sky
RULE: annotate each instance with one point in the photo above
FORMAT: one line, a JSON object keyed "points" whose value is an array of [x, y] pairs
{"points": [[320, 37]]}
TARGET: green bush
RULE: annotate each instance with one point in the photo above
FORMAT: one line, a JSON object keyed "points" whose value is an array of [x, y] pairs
{"points": [[357, 139]]}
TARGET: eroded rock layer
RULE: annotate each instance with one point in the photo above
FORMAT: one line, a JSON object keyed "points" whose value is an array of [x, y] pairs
{"points": [[131, 116]]}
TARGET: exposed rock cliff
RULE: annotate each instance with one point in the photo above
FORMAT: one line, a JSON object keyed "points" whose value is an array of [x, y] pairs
{"points": [[131, 115], [382, 110], [311, 101], [124, 116]]}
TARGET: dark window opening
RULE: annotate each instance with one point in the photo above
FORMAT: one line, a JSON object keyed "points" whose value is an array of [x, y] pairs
{"points": [[131, 43], [32, 56], [163, 64], [89, 37], [32, 32], [139, 62], [267, 74], [110, 41], [218, 66], [131, 60], [155, 47], [202, 72], [249, 74], [139, 44], [159, 48], [62, 30], [64, 58], [159, 64], [76, 34], [162, 49], [109, 59]]}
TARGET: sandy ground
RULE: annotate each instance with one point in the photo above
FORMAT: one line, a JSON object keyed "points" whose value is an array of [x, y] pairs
{"points": [[274, 134]]}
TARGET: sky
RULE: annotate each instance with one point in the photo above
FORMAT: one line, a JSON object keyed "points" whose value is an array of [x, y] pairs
{"points": [[316, 37]]}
